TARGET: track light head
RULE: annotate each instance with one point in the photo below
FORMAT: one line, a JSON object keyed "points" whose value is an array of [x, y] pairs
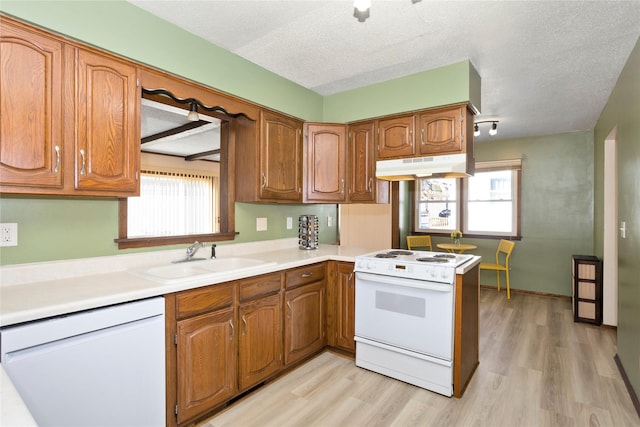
{"points": [[476, 130], [494, 129]]}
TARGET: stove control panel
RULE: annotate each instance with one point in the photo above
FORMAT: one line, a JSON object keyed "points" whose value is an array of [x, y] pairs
{"points": [[409, 270]]}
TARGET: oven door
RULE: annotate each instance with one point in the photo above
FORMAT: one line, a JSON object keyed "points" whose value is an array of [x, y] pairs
{"points": [[415, 315]]}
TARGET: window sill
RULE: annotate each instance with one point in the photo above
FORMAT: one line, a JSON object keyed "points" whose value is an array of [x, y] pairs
{"points": [[147, 242]]}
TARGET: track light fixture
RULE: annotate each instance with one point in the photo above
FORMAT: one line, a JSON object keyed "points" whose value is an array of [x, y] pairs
{"points": [[361, 9], [492, 131]]}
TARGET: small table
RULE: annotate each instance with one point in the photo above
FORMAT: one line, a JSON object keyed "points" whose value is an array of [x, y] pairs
{"points": [[453, 248]]}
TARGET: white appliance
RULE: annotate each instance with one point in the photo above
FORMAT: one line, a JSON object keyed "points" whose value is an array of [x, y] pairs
{"points": [[446, 166], [102, 367], [404, 314]]}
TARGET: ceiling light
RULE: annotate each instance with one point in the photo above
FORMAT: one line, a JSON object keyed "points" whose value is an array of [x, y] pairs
{"points": [[492, 131], [361, 9], [193, 112], [362, 5]]}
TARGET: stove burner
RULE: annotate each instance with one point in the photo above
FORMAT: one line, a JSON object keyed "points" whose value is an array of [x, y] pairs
{"points": [[432, 259], [400, 253], [385, 255], [450, 256]]}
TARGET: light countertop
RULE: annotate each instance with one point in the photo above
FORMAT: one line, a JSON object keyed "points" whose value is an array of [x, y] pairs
{"points": [[40, 290]]}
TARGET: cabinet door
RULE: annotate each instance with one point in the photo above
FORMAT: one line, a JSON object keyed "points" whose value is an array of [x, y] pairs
{"points": [[107, 140], [441, 131], [280, 158], [395, 137], [206, 362], [260, 346], [325, 162], [345, 306], [362, 162], [31, 105], [304, 323]]}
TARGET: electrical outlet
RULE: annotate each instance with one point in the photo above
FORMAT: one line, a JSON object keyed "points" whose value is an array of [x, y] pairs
{"points": [[9, 234], [329, 221], [261, 224], [289, 223]]}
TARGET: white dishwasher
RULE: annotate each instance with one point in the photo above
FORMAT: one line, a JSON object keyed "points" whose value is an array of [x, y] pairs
{"points": [[102, 367]]}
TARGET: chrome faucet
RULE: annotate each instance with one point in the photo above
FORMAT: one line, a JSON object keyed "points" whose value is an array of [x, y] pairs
{"points": [[191, 250]]}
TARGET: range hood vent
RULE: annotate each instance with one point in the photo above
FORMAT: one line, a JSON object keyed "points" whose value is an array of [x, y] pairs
{"points": [[447, 166]]}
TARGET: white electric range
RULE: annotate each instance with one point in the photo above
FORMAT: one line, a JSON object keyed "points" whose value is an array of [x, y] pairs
{"points": [[404, 315]]}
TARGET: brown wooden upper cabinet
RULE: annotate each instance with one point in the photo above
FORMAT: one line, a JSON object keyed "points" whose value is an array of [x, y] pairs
{"points": [[441, 130], [31, 87], [73, 127], [325, 162], [363, 185], [107, 139], [271, 169], [395, 137]]}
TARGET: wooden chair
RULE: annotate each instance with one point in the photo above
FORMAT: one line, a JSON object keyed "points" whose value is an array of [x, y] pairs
{"points": [[505, 247], [415, 242]]}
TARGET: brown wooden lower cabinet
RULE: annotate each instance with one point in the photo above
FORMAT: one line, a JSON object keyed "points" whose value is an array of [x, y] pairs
{"points": [[341, 306], [206, 362], [304, 322], [260, 341], [223, 339]]}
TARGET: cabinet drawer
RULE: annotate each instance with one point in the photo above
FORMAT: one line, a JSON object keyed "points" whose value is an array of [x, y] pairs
{"points": [[303, 275], [259, 286], [203, 300]]}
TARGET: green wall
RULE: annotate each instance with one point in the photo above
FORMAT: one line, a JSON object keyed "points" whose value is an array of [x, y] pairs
{"points": [[622, 112], [450, 84], [52, 229], [557, 209], [129, 31]]}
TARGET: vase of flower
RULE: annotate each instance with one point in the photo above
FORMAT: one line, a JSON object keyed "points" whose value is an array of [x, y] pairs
{"points": [[456, 236]]}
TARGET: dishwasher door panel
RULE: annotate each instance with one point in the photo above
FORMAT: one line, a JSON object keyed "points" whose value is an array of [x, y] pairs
{"points": [[107, 370]]}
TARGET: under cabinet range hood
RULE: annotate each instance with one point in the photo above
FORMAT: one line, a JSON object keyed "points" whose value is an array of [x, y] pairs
{"points": [[445, 166]]}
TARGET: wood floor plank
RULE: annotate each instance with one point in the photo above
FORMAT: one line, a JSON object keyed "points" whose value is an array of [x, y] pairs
{"points": [[537, 368]]}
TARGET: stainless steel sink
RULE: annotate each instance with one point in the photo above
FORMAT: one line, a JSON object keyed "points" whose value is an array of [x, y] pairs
{"points": [[196, 272]]}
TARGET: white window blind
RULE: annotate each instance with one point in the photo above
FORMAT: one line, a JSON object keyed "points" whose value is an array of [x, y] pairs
{"points": [[172, 204]]}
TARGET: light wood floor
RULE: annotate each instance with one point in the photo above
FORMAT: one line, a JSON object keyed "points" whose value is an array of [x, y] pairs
{"points": [[537, 368]]}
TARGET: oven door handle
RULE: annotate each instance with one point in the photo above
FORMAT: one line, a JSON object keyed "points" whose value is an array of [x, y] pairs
{"points": [[397, 281]]}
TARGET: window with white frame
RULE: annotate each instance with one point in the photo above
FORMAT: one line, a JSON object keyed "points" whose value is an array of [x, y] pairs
{"points": [[173, 203], [489, 202]]}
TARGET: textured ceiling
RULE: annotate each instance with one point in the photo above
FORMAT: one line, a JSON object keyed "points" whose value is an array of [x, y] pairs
{"points": [[546, 66]]}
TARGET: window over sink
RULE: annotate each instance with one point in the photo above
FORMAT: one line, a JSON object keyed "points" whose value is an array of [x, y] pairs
{"points": [[185, 170]]}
